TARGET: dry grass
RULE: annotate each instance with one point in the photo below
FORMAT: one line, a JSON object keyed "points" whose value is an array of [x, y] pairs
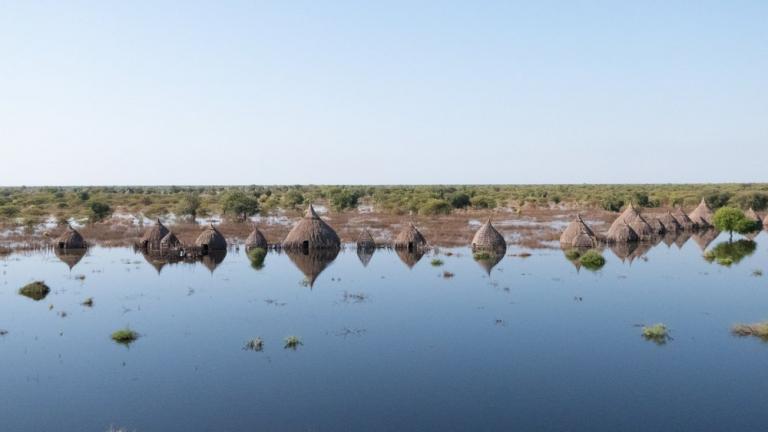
{"points": [[759, 330]]}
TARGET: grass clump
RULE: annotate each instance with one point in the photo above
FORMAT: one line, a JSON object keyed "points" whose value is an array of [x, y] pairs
{"points": [[481, 256], [592, 260], [292, 342], [36, 290], [88, 302], [256, 344], [257, 256], [125, 336], [658, 333], [436, 262], [757, 329]]}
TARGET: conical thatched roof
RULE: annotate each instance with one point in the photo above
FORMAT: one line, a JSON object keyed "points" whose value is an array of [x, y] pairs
{"points": [[488, 238], [642, 228], [489, 261], [311, 232], [669, 223], [752, 215], [312, 262], [702, 215], [656, 225], [685, 222], [256, 240], [410, 238], [152, 236], [365, 240], [620, 232], [170, 242], [705, 237], [410, 258], [365, 255], [578, 234], [212, 239], [70, 257], [632, 218], [69, 239]]}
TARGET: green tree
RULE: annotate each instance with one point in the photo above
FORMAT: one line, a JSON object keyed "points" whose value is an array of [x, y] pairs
{"points": [[292, 199], [99, 210], [459, 200], [240, 204], [434, 207], [190, 204], [732, 219]]}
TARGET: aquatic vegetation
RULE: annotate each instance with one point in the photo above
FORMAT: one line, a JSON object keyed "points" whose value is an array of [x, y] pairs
{"points": [[436, 262], [255, 344], [658, 333], [757, 329], [757, 273], [355, 297], [124, 336], [88, 302], [80, 277], [257, 256], [292, 342], [37, 290], [481, 256], [447, 274], [592, 260], [3, 332]]}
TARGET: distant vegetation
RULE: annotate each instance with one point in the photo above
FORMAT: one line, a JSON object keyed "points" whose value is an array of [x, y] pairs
{"points": [[33, 204]]}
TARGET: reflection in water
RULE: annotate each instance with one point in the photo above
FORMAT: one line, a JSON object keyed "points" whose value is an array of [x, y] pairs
{"points": [[704, 237], [410, 258], [312, 262], [728, 252], [365, 254], [158, 260], [213, 259], [624, 251], [489, 259], [682, 238], [70, 257]]}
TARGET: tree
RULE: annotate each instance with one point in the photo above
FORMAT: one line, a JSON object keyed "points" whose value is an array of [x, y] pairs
{"points": [[99, 210], [240, 204], [732, 219], [190, 204], [459, 200]]}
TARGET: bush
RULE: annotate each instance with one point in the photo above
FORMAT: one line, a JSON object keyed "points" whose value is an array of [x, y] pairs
{"points": [[592, 260], [124, 336], [37, 290], [435, 207], [657, 333], [436, 262], [240, 204], [483, 202], [257, 256], [732, 219], [459, 200], [99, 210]]}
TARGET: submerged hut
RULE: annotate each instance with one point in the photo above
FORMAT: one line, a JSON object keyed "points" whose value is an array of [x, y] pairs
{"points": [[311, 232], [365, 241], [702, 215], [365, 255], [152, 236], [578, 234], [211, 240], [621, 232], [170, 242], [410, 239], [765, 222], [686, 224], [256, 240], [631, 217], [488, 238], [656, 225], [752, 215], [70, 239], [213, 258], [669, 223]]}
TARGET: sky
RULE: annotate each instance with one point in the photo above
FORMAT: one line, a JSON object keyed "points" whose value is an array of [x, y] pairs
{"points": [[411, 92]]}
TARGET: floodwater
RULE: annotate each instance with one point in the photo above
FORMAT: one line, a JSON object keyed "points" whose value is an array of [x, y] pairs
{"points": [[536, 345]]}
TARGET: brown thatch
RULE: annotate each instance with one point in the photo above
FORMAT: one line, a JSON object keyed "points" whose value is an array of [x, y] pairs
{"points": [[489, 261], [682, 238], [578, 234], [70, 239], [256, 240], [410, 239], [683, 220], [311, 232], [656, 225], [487, 238], [765, 222], [365, 240], [213, 258], [752, 215], [642, 228], [312, 262], [620, 232], [410, 257], [152, 236], [702, 215], [669, 223], [170, 242], [704, 237], [70, 257], [211, 239]]}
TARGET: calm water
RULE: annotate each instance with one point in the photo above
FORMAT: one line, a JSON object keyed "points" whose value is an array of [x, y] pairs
{"points": [[535, 346]]}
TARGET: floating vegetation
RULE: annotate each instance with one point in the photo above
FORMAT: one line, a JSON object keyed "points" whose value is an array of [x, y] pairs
{"points": [[3, 332], [88, 302], [447, 274], [358, 297], [292, 342], [757, 273], [436, 262], [80, 277], [125, 336], [657, 333], [481, 256], [592, 260], [257, 256], [757, 329], [36, 290], [255, 344]]}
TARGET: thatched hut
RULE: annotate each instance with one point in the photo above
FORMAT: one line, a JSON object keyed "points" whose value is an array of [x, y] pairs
{"points": [[170, 242], [630, 217], [152, 236], [256, 240], [642, 228], [765, 222], [70, 239], [487, 238], [365, 241], [702, 215], [311, 232], [683, 220], [210, 240], [752, 215], [621, 232], [669, 223], [410, 239], [656, 225], [312, 262], [578, 234]]}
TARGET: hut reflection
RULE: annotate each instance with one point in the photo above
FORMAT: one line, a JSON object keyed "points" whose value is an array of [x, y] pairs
{"points": [[312, 262], [410, 258], [489, 259], [365, 255], [213, 258], [70, 257], [704, 237]]}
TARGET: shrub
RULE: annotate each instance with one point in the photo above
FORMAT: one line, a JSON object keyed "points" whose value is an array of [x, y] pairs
{"points": [[459, 200], [481, 256], [732, 219], [257, 256], [240, 204], [592, 260], [99, 210], [37, 290], [657, 333], [758, 329], [435, 207], [436, 262], [483, 202], [124, 336], [292, 342]]}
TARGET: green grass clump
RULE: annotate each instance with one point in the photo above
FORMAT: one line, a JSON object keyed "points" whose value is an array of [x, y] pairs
{"points": [[257, 256], [125, 336], [256, 344], [658, 333], [292, 342], [36, 290], [436, 262], [592, 260], [481, 256], [758, 329]]}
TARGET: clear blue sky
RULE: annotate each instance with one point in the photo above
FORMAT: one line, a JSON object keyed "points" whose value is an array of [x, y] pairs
{"points": [[294, 92]]}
